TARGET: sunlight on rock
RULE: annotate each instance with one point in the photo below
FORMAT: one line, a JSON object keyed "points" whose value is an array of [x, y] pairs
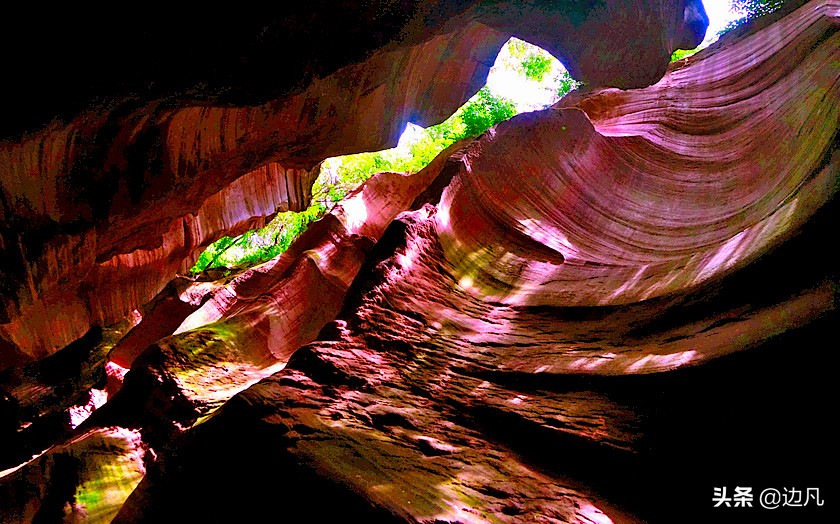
{"points": [[79, 414], [629, 284], [658, 362], [749, 241], [518, 399], [594, 515], [120, 468], [355, 212], [531, 309]]}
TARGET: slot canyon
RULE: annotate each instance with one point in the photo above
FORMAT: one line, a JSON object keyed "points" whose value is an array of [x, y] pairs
{"points": [[597, 312]]}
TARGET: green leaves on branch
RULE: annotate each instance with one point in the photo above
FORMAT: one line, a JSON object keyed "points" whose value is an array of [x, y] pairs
{"points": [[210, 255], [567, 84], [259, 245], [679, 54], [751, 9], [531, 61], [536, 66], [482, 112]]}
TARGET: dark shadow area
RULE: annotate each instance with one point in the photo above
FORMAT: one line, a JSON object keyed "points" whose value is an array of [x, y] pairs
{"points": [[239, 471], [760, 418], [33, 410]]}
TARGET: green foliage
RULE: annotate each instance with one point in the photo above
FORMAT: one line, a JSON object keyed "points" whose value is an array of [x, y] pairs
{"points": [[536, 66], [484, 111], [290, 225], [480, 112], [518, 48], [567, 84], [211, 254], [751, 9], [340, 176], [260, 245], [533, 62], [343, 174], [679, 54], [748, 9]]}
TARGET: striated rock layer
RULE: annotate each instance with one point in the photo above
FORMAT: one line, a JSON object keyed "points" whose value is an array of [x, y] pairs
{"points": [[84, 480], [101, 211], [451, 354], [170, 181], [653, 191], [513, 334]]}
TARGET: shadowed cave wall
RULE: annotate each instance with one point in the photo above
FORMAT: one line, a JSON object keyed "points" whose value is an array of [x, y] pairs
{"points": [[596, 312]]}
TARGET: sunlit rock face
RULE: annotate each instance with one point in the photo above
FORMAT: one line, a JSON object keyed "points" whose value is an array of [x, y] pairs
{"points": [[528, 329], [86, 479], [106, 202], [653, 191], [88, 237]]}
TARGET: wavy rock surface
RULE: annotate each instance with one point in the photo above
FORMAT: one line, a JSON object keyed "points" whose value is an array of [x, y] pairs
{"points": [[248, 327], [91, 235], [653, 191], [458, 321], [83, 480], [100, 212], [445, 346]]}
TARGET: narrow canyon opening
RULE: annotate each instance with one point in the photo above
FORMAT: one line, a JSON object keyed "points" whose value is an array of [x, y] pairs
{"points": [[523, 78]]}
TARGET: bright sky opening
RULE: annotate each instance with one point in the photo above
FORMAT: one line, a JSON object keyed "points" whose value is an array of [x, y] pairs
{"points": [[506, 78]]}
